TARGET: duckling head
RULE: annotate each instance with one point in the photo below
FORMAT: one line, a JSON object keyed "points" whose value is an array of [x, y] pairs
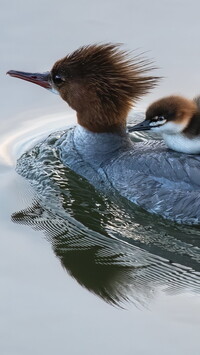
{"points": [[100, 82], [169, 115]]}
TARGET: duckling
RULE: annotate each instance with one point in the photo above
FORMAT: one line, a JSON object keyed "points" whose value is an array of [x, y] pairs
{"points": [[177, 119]]}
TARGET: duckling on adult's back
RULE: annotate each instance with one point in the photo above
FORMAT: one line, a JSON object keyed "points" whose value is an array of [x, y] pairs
{"points": [[177, 119], [101, 83]]}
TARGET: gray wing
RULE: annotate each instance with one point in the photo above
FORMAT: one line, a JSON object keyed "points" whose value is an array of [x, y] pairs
{"points": [[160, 181]]}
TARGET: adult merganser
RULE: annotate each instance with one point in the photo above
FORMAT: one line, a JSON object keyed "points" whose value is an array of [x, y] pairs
{"points": [[177, 119], [101, 84]]}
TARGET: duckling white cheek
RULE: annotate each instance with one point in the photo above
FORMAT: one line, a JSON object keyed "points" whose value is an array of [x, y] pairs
{"points": [[169, 128]]}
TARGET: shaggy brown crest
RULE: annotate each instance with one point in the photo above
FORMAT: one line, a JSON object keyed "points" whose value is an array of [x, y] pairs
{"points": [[102, 82], [197, 102]]}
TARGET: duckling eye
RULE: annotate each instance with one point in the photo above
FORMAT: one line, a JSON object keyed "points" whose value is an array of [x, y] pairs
{"points": [[158, 121], [57, 79], [160, 118]]}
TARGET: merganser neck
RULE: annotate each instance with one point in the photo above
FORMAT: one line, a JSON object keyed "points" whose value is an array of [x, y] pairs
{"points": [[98, 147]]}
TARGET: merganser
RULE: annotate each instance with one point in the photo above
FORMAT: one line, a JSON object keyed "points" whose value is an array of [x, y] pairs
{"points": [[101, 84], [177, 119]]}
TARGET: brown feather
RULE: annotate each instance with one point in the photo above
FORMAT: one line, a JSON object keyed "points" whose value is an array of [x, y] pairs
{"points": [[176, 108], [102, 82], [179, 110], [197, 102]]}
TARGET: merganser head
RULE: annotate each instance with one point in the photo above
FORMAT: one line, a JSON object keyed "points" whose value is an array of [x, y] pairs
{"points": [[169, 115], [100, 82]]}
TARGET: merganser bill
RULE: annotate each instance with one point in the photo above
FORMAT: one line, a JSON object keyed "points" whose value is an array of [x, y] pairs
{"points": [[177, 119], [102, 83]]}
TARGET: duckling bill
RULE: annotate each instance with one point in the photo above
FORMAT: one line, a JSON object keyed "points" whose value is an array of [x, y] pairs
{"points": [[177, 119]]}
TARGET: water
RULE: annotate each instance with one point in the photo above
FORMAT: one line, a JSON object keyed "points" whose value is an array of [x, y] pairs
{"points": [[82, 273]]}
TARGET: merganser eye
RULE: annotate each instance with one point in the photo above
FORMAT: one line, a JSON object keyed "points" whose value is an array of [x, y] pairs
{"points": [[57, 79]]}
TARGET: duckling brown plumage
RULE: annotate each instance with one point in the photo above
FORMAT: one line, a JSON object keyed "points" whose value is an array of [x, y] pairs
{"points": [[177, 119]]}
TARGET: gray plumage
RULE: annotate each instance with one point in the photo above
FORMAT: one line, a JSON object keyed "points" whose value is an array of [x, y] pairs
{"points": [[157, 179]]}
